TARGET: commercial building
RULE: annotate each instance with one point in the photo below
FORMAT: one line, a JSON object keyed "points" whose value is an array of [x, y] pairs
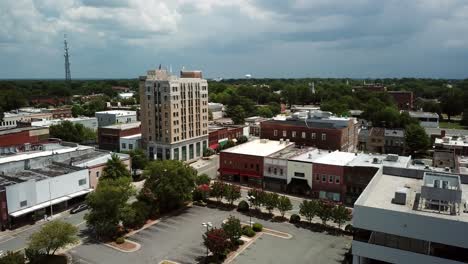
{"points": [[132, 142], [426, 119], [109, 137], [302, 108], [217, 110], [456, 144], [254, 124], [21, 139], [301, 169], [316, 129], [376, 140], [245, 162], [394, 141], [112, 117], [405, 219], [57, 113], [403, 99], [219, 135], [89, 122], [174, 114], [27, 114]]}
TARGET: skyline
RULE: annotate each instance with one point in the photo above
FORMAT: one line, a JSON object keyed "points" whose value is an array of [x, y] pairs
{"points": [[228, 39]]}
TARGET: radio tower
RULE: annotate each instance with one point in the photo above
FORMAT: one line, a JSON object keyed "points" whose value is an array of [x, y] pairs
{"points": [[67, 61]]}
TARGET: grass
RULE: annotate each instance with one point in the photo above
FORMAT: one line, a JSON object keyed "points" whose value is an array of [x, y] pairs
{"points": [[451, 125]]}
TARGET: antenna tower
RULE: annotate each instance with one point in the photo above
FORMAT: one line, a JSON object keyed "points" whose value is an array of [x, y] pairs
{"points": [[67, 61]]}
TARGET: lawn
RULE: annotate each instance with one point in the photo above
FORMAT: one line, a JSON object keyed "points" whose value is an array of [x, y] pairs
{"points": [[451, 125]]}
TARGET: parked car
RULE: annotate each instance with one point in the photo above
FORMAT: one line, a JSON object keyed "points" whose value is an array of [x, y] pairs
{"points": [[79, 208]]}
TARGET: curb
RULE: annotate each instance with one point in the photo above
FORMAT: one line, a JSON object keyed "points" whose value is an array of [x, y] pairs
{"points": [[137, 246]]}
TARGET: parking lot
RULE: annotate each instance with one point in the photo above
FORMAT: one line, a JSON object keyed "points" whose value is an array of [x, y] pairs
{"points": [[179, 238]]}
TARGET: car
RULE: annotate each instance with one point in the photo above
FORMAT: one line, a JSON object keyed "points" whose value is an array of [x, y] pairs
{"points": [[79, 208]]}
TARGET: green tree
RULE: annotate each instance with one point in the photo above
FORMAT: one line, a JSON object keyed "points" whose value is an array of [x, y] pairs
{"points": [[271, 201], [134, 215], [217, 241], [324, 211], [69, 131], [52, 236], [169, 184], [236, 113], [265, 111], [115, 169], [232, 227], [218, 190], [452, 103], [107, 205], [259, 197], [416, 139], [210, 115], [13, 258], [464, 120], [202, 179], [284, 204], [139, 160], [340, 215], [232, 193], [309, 209], [242, 139]]}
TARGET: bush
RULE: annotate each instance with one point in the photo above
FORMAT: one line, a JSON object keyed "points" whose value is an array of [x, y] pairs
{"points": [[295, 219], [34, 255], [243, 206], [248, 231], [120, 240], [13, 258], [257, 227], [202, 179]]}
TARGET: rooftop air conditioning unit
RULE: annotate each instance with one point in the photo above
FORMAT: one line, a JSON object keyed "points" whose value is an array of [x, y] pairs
{"points": [[392, 157], [400, 196]]}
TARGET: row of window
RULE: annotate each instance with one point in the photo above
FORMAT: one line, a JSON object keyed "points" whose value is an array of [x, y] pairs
{"points": [[124, 146], [275, 171], [313, 135], [330, 178]]}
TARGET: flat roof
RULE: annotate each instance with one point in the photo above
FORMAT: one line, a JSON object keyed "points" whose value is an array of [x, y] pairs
{"points": [[117, 112], [96, 158], [288, 153], [423, 114], [448, 132], [7, 131], [124, 126], [379, 160], [136, 136], [337, 158], [451, 141], [383, 189], [259, 147], [394, 133], [36, 154], [310, 156]]}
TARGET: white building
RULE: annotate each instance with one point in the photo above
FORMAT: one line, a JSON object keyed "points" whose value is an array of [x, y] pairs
{"points": [[217, 110], [129, 143], [126, 95], [27, 114], [426, 119], [300, 167], [89, 122], [107, 118], [399, 219]]}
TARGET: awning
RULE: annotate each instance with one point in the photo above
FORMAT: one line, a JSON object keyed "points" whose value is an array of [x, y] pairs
{"points": [[229, 171], [214, 146], [48, 203], [251, 175]]}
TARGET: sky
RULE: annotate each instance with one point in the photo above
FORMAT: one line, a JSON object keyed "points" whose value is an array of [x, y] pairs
{"points": [[231, 38]]}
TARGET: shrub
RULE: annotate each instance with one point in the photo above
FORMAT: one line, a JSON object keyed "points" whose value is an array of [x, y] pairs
{"points": [[295, 218], [120, 240], [243, 206], [233, 229], [248, 231], [202, 179], [257, 227]]}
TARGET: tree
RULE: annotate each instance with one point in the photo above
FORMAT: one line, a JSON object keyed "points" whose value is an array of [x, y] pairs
{"points": [[202, 179], [258, 197], [107, 204], [210, 115], [340, 215], [232, 193], [201, 192], [324, 211], [13, 258], [233, 229], [115, 169], [139, 160], [265, 111], [242, 139], [308, 209], [452, 102], [134, 215], [169, 184], [52, 236], [236, 113], [416, 138], [284, 204], [271, 201], [69, 131], [464, 120], [217, 241], [218, 190], [208, 152]]}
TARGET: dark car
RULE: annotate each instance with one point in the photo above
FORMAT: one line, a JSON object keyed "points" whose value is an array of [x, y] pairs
{"points": [[79, 208]]}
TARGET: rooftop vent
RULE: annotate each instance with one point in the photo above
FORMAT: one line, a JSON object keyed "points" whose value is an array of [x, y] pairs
{"points": [[400, 196], [376, 161], [392, 157]]}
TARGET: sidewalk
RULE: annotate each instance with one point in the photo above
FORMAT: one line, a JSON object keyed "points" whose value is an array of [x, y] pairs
{"points": [[19, 230]]}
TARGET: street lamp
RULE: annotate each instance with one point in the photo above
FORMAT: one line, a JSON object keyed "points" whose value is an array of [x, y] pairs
{"points": [[251, 198], [207, 225]]}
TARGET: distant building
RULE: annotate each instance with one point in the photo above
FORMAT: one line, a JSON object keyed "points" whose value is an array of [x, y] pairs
{"points": [[111, 117], [376, 140], [254, 124], [444, 158], [404, 99], [219, 135], [316, 129], [129, 143], [456, 144], [27, 114], [57, 113], [109, 137], [127, 95], [89, 122], [22, 139], [394, 141], [302, 108], [121, 89], [375, 88], [426, 119], [216, 109], [174, 115], [47, 100]]}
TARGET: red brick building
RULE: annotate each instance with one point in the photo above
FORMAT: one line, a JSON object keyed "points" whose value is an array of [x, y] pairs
{"points": [[59, 113], [403, 99], [109, 136], [217, 134], [329, 133], [22, 138]]}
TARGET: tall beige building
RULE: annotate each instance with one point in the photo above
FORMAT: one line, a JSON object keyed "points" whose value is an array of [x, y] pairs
{"points": [[174, 114]]}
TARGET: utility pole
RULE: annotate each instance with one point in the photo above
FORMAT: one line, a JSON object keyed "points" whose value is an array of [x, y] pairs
{"points": [[67, 61]]}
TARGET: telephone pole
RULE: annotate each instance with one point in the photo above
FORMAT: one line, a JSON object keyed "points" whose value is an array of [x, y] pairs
{"points": [[67, 61]]}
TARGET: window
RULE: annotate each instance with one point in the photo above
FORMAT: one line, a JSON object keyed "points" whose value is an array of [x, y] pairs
{"points": [[124, 145], [23, 203], [337, 179], [275, 171], [303, 135], [269, 169], [251, 166], [324, 136], [317, 177], [299, 174], [330, 179], [81, 182], [324, 178], [130, 146], [293, 134], [284, 133], [281, 171], [257, 167], [275, 133], [97, 174], [313, 136]]}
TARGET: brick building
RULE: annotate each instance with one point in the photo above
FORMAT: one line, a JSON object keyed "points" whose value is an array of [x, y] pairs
{"points": [[58, 113], [403, 99], [220, 134], [319, 129], [22, 138], [376, 140], [109, 136]]}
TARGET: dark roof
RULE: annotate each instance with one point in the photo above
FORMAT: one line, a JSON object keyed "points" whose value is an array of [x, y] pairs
{"points": [[302, 123], [377, 132], [18, 129]]}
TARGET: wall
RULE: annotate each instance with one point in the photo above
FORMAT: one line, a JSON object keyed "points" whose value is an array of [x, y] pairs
{"points": [[301, 167], [280, 164], [329, 170], [3, 209], [241, 164], [135, 142]]}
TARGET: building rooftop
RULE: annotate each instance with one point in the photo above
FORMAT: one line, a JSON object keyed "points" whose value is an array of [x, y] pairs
{"points": [[423, 114], [35, 154], [117, 113], [288, 153], [136, 136], [381, 191], [7, 131], [95, 158], [337, 158], [448, 132], [310, 156], [124, 126], [394, 133], [259, 147], [379, 160], [377, 132], [454, 141]]}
